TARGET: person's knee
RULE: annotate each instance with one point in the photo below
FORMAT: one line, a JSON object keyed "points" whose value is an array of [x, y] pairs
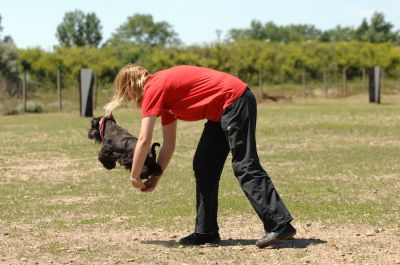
{"points": [[245, 172], [207, 175]]}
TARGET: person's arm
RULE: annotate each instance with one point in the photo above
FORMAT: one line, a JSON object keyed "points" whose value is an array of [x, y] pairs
{"points": [[141, 150], [167, 149], [168, 146]]}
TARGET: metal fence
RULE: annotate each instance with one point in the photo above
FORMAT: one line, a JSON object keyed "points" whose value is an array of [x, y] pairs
{"points": [[25, 94]]}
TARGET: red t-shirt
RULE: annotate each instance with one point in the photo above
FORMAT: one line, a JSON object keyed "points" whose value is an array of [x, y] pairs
{"points": [[190, 93]]}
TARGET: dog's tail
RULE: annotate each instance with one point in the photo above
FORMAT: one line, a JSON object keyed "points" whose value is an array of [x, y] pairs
{"points": [[153, 153]]}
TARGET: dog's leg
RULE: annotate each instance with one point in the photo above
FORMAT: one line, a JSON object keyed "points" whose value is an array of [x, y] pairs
{"points": [[107, 157]]}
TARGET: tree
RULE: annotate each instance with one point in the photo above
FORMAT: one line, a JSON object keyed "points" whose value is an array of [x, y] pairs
{"points": [[378, 30], [1, 28], [8, 56], [270, 31], [79, 29], [141, 29], [8, 68], [338, 33], [6, 39], [93, 30]]}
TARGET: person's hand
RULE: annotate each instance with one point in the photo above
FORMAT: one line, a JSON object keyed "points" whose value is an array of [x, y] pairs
{"points": [[151, 183], [137, 183]]}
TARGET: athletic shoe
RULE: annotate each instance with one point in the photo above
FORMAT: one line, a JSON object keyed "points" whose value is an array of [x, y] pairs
{"points": [[284, 232], [196, 239]]}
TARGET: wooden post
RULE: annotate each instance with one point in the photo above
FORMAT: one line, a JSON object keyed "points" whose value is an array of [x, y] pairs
{"points": [[59, 89], [344, 82], [304, 82], [95, 90], [375, 85], [325, 83], [382, 79], [364, 87], [261, 85], [24, 91]]}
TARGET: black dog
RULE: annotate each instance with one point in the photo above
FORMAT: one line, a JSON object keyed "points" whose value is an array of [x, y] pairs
{"points": [[118, 146]]}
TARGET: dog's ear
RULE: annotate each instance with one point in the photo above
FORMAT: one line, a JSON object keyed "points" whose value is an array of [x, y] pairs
{"points": [[94, 134], [95, 122], [107, 157]]}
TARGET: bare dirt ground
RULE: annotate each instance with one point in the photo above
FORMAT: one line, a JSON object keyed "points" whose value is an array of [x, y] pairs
{"points": [[315, 243]]}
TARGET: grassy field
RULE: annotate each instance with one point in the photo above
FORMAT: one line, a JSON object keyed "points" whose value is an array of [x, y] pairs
{"points": [[334, 163]]}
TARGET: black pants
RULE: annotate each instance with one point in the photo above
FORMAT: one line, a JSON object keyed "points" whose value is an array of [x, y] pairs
{"points": [[235, 133]]}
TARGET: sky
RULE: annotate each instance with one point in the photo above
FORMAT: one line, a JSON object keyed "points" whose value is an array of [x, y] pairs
{"points": [[33, 23]]}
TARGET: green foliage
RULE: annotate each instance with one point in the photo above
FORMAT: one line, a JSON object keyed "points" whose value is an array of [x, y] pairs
{"points": [[8, 59], [272, 32], [41, 66], [1, 28], [377, 31], [278, 62], [79, 29], [141, 29], [32, 107]]}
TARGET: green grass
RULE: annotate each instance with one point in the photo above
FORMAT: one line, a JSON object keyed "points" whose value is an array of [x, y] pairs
{"points": [[331, 161]]}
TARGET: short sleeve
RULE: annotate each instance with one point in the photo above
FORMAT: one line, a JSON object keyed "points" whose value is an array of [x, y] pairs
{"points": [[167, 118]]}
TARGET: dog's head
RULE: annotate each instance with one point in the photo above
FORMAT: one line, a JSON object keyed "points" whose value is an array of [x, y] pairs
{"points": [[94, 131]]}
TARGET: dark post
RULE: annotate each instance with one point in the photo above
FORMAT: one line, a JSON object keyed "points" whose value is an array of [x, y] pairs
{"points": [[59, 89], [261, 84], [24, 91], [344, 70], [363, 80], [304, 82], [374, 85], [86, 92], [95, 91], [325, 83]]}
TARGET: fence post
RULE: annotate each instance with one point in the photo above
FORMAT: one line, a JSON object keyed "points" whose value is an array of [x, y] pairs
{"points": [[363, 80], [59, 89], [24, 91], [261, 84], [86, 90], [304, 82], [95, 90], [382, 80], [344, 82], [325, 83], [374, 85]]}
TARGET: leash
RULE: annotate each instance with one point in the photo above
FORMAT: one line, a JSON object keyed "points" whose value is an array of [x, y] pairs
{"points": [[102, 124], [101, 127]]}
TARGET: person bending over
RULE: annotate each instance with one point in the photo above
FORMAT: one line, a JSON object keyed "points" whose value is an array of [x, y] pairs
{"points": [[191, 93]]}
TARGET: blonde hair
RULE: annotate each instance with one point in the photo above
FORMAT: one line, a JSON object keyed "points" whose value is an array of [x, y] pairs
{"points": [[128, 85]]}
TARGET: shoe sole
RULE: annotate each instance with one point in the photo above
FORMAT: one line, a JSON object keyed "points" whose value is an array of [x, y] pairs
{"points": [[271, 242], [199, 244]]}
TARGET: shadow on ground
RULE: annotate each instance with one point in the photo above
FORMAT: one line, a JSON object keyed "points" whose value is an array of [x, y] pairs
{"points": [[293, 243]]}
